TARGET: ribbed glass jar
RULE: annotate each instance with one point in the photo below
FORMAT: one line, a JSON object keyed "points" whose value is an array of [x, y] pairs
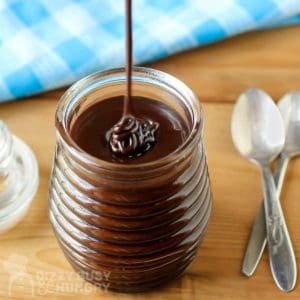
{"points": [[129, 227]]}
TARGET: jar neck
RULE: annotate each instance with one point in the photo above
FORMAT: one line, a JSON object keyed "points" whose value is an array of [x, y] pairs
{"points": [[146, 82]]}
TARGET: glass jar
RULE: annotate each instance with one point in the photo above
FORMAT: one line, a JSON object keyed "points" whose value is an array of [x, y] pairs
{"points": [[129, 227]]}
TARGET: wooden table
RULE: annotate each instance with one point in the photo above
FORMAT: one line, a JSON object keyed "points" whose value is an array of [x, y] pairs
{"points": [[218, 74]]}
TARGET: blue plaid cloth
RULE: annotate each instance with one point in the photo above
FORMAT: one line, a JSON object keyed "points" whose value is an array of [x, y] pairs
{"points": [[46, 44]]}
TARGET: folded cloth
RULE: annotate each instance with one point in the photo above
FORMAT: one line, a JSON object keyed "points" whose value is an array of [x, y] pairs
{"points": [[46, 44]]}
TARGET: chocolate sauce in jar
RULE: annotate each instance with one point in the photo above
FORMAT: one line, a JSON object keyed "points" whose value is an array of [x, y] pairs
{"points": [[139, 219], [132, 219]]}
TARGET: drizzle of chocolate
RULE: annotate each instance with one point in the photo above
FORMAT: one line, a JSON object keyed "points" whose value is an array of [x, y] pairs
{"points": [[131, 136]]}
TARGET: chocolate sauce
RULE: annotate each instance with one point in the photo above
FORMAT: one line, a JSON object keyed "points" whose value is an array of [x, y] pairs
{"points": [[131, 136], [140, 225], [90, 129]]}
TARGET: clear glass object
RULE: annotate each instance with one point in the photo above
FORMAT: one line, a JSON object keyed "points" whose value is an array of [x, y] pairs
{"points": [[129, 227], [18, 178]]}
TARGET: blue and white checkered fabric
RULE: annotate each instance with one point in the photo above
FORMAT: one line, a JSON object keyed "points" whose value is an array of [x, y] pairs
{"points": [[45, 44]]}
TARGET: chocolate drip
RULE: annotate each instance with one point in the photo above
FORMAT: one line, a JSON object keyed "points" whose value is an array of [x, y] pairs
{"points": [[127, 109], [131, 136]]}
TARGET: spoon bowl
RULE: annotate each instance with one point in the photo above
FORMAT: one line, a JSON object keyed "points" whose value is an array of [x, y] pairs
{"points": [[257, 128]]}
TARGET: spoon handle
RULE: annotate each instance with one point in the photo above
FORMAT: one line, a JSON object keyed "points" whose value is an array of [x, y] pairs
{"points": [[281, 254], [258, 237]]}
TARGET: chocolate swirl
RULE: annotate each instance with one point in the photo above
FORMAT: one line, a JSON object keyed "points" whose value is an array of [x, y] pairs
{"points": [[132, 136]]}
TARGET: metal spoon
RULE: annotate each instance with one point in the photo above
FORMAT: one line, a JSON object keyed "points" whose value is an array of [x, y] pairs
{"points": [[258, 133], [289, 106]]}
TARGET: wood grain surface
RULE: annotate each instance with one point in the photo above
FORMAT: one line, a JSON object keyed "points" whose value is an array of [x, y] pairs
{"points": [[33, 267]]}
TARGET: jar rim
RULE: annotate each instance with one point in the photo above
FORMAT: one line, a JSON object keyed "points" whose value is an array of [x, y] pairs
{"points": [[86, 83]]}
